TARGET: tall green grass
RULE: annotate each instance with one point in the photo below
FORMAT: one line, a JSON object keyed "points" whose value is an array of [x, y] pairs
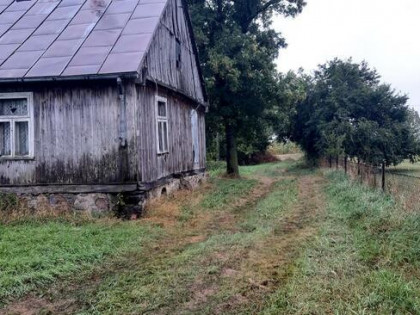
{"points": [[227, 190], [33, 254], [365, 261]]}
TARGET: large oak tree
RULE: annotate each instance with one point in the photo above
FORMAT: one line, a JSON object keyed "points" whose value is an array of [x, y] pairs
{"points": [[238, 47]]}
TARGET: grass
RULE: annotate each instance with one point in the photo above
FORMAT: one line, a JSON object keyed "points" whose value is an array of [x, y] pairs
{"points": [[225, 189], [33, 254], [284, 239], [185, 276], [273, 170], [365, 259], [406, 168], [278, 148], [215, 168]]}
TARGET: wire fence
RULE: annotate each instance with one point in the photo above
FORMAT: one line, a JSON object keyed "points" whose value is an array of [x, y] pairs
{"points": [[404, 188]]}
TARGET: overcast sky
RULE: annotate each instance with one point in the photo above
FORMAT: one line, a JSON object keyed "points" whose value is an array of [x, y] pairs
{"points": [[385, 33]]}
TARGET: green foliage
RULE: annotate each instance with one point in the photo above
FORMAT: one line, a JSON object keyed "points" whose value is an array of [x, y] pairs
{"points": [[348, 111], [8, 202], [238, 47], [291, 90], [279, 148], [215, 168]]}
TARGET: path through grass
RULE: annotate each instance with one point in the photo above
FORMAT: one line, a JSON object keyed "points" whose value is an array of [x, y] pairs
{"points": [[282, 240], [222, 249]]}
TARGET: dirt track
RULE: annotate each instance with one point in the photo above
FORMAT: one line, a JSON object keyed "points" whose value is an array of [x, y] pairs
{"points": [[254, 270]]}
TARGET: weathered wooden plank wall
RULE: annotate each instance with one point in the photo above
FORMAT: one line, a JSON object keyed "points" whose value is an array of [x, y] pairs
{"points": [[77, 125], [152, 165], [161, 57], [76, 136]]}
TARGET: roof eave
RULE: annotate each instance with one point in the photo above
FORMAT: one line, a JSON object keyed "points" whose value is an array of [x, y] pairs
{"points": [[87, 77], [195, 49], [203, 103]]}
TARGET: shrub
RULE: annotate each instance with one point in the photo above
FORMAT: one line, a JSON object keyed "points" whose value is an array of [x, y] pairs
{"points": [[8, 202]]}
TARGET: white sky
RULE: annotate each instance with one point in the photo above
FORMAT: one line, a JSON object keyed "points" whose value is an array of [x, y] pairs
{"points": [[385, 33]]}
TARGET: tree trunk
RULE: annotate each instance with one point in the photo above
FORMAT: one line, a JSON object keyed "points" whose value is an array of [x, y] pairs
{"points": [[231, 151]]}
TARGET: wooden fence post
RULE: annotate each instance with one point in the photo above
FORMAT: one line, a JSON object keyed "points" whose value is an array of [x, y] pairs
{"points": [[383, 175], [345, 164]]}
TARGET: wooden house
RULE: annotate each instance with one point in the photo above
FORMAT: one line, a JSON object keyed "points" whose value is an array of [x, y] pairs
{"points": [[98, 98]]}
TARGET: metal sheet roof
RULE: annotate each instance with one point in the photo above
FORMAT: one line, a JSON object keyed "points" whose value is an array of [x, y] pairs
{"points": [[62, 38]]}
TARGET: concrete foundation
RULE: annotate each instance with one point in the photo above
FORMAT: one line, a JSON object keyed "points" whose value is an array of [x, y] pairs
{"points": [[125, 204]]}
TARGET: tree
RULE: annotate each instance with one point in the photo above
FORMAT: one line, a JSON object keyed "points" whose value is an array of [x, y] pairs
{"points": [[348, 111], [414, 122], [237, 48], [292, 89]]}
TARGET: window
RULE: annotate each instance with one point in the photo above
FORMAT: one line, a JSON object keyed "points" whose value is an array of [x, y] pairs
{"points": [[162, 125], [178, 53], [16, 125]]}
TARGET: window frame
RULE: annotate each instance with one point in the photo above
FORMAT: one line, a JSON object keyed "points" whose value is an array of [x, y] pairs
{"points": [[162, 119], [12, 120]]}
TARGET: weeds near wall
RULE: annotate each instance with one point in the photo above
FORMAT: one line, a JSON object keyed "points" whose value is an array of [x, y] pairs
{"points": [[8, 202], [15, 209]]}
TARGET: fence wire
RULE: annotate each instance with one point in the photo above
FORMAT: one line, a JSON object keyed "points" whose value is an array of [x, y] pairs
{"points": [[404, 188]]}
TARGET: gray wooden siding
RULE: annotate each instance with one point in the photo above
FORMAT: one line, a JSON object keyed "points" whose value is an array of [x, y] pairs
{"points": [[154, 166], [77, 124], [161, 57], [77, 136]]}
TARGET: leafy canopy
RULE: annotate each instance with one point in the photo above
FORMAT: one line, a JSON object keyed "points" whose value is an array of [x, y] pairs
{"points": [[347, 111], [237, 47]]}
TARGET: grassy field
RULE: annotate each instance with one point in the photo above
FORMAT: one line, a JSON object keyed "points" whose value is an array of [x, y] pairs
{"points": [[34, 254], [365, 261], [406, 168], [284, 239]]}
